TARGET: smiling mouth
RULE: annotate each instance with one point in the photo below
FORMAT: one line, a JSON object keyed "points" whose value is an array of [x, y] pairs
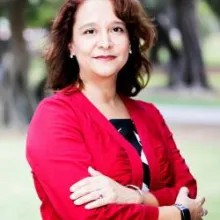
{"points": [[105, 58]]}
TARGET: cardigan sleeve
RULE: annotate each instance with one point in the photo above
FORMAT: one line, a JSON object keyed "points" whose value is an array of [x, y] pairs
{"points": [[181, 173], [58, 157]]}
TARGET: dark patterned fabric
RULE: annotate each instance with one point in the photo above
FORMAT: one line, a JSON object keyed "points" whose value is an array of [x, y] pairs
{"points": [[127, 128]]}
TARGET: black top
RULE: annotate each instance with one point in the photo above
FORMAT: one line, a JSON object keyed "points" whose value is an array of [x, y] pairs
{"points": [[127, 128]]}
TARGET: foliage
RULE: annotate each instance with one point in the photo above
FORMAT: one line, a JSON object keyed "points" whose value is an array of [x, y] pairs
{"points": [[207, 19], [41, 12], [215, 5]]}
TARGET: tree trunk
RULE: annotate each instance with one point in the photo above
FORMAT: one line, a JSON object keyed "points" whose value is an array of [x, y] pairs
{"points": [[194, 74], [17, 101]]}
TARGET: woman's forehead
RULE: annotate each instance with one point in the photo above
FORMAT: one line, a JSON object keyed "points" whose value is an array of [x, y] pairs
{"points": [[96, 11]]}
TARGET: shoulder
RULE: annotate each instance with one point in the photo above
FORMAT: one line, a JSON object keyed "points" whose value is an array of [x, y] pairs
{"points": [[148, 107], [149, 110], [59, 103], [58, 107], [55, 115], [54, 102]]}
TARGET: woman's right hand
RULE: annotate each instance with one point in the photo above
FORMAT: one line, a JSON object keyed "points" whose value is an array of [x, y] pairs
{"points": [[194, 205]]}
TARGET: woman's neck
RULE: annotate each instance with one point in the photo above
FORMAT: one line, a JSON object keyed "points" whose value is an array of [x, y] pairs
{"points": [[104, 94]]}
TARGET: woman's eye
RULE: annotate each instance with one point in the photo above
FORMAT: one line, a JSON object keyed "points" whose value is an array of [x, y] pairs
{"points": [[90, 31], [118, 29]]}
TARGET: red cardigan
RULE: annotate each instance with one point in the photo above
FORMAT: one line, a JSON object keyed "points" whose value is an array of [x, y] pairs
{"points": [[67, 134]]}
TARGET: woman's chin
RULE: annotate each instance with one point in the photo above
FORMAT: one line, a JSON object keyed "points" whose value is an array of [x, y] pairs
{"points": [[105, 73]]}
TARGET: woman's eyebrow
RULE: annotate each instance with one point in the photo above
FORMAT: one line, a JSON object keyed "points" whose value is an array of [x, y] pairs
{"points": [[119, 22], [95, 24], [87, 24]]}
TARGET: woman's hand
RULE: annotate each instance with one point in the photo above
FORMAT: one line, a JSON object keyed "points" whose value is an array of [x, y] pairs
{"points": [[99, 190], [194, 205]]}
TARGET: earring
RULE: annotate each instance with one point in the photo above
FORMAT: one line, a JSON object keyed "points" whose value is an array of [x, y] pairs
{"points": [[71, 56], [130, 51]]}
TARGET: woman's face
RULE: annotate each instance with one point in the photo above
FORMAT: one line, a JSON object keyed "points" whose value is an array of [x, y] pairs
{"points": [[100, 40]]}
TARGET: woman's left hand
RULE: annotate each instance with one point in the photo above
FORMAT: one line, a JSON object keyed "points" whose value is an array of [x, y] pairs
{"points": [[100, 190]]}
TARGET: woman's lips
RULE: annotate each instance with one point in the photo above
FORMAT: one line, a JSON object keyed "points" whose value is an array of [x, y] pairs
{"points": [[105, 58]]}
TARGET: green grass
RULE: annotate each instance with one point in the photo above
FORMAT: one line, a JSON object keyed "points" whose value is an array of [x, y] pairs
{"points": [[211, 49], [204, 162], [18, 200]]}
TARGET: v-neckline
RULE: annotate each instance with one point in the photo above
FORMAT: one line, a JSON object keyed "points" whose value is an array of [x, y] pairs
{"points": [[135, 116], [104, 121]]}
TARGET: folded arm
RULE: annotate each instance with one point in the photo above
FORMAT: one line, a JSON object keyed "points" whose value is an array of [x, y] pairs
{"points": [[59, 158], [182, 175]]}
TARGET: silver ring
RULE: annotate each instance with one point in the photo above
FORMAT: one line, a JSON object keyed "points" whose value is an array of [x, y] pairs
{"points": [[100, 196]]}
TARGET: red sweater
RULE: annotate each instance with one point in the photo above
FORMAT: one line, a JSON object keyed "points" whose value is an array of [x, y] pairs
{"points": [[68, 134]]}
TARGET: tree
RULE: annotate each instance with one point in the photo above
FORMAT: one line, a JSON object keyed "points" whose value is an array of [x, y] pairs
{"points": [[17, 102], [17, 98], [194, 74], [188, 71]]}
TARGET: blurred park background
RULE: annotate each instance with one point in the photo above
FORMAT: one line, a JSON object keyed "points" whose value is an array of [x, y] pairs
{"points": [[185, 85]]}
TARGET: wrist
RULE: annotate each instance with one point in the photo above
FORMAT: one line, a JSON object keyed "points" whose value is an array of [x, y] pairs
{"points": [[135, 197], [137, 194], [184, 211], [169, 212]]}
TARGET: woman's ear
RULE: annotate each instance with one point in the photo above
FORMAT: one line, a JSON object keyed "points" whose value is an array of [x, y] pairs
{"points": [[71, 49]]}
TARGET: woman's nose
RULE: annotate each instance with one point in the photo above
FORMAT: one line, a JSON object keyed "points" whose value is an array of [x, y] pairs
{"points": [[105, 41]]}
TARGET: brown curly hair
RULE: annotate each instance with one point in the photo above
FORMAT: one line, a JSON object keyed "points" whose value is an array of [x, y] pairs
{"points": [[134, 76]]}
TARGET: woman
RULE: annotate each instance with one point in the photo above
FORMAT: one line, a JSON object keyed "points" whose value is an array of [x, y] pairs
{"points": [[94, 152]]}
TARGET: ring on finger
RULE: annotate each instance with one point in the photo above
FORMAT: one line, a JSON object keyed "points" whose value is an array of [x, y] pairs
{"points": [[100, 195]]}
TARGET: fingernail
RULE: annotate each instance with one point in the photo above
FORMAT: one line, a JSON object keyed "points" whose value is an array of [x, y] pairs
{"points": [[87, 207], [72, 196], [72, 189], [76, 202]]}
